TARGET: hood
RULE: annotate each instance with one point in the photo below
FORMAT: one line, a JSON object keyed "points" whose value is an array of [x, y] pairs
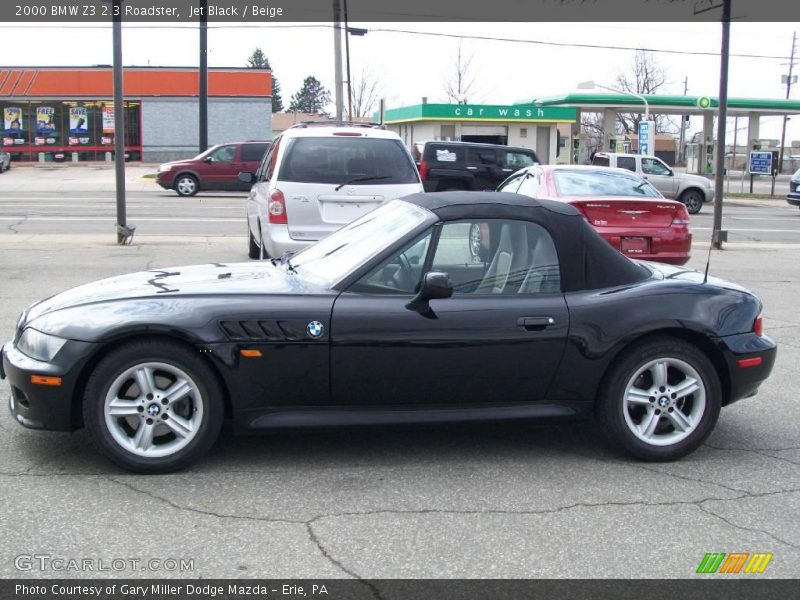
{"points": [[696, 179], [214, 279], [684, 274], [178, 163]]}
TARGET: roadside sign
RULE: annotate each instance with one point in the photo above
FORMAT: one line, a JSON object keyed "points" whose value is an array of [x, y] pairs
{"points": [[760, 163], [647, 138]]}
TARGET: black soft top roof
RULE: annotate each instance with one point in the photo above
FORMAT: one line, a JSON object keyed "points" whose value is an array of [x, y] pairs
{"points": [[586, 260]]}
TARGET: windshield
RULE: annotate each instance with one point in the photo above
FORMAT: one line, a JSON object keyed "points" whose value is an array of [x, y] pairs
{"points": [[355, 159], [332, 258], [574, 183]]}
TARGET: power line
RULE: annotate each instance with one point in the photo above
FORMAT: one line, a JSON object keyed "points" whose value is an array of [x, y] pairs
{"points": [[190, 27]]}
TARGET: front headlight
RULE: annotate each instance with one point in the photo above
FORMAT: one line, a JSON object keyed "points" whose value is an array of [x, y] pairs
{"points": [[164, 168], [39, 346]]}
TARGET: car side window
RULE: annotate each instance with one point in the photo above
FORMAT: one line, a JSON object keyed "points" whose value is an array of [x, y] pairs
{"points": [[253, 152], [653, 166], [517, 160], [400, 273], [496, 256], [600, 161], [270, 160], [626, 162], [224, 154], [481, 157]]}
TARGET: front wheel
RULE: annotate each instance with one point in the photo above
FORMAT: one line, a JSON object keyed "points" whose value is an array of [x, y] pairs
{"points": [[187, 185], [661, 400], [693, 201], [153, 406]]}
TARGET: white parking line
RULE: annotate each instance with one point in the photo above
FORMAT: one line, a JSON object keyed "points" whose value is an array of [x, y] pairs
{"points": [[753, 230], [138, 219]]}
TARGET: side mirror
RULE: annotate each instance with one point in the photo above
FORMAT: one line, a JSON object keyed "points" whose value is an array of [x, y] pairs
{"points": [[247, 177], [208, 159], [435, 286]]}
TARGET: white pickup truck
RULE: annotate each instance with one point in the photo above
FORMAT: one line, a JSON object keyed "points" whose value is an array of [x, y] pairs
{"points": [[692, 190]]}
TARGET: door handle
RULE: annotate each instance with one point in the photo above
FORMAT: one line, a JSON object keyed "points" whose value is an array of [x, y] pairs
{"points": [[535, 323], [472, 168]]}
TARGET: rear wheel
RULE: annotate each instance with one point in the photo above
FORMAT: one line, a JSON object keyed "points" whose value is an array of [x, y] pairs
{"points": [[693, 201], [187, 185], [153, 406], [661, 400]]}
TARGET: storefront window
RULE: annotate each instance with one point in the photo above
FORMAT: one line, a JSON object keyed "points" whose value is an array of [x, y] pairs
{"points": [[56, 129]]}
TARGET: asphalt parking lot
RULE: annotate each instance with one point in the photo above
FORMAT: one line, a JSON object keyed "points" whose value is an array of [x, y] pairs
{"points": [[516, 500]]}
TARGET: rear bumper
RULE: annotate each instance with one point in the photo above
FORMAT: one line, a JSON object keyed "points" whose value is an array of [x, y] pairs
{"points": [[672, 245], [746, 378], [42, 406], [277, 240]]}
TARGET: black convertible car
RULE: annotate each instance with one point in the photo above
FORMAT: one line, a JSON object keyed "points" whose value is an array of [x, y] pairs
{"points": [[396, 318]]}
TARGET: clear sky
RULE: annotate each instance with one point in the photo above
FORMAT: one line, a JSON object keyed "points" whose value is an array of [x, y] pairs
{"points": [[412, 66]]}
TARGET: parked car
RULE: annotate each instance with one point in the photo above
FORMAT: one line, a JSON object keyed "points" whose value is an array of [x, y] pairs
{"points": [[5, 160], [445, 166], [692, 190], [389, 321], [793, 197], [318, 177], [217, 168], [625, 209]]}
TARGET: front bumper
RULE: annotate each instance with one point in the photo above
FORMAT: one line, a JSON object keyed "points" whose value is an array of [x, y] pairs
{"points": [[709, 194], [42, 406], [793, 198], [166, 180], [745, 380]]}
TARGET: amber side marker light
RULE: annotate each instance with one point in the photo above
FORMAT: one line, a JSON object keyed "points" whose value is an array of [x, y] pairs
{"points": [[250, 353], [42, 380]]}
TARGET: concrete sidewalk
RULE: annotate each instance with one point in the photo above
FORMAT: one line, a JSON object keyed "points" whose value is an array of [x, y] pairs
{"points": [[90, 177]]}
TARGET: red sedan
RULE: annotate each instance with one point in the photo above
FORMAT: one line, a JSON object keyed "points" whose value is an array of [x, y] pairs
{"points": [[625, 209]]}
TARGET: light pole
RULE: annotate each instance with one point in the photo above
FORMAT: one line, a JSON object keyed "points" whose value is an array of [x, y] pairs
{"points": [[590, 85]]}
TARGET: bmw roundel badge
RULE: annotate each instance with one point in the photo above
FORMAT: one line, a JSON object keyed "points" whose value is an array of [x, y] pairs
{"points": [[315, 329]]}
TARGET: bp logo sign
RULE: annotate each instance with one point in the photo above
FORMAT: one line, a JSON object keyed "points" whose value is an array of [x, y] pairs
{"points": [[704, 102]]}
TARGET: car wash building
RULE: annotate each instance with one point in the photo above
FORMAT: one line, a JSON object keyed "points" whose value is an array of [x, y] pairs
{"points": [[521, 125], [66, 114]]}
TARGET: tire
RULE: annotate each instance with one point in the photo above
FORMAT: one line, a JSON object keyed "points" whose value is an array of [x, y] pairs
{"points": [[186, 185], [254, 250], [142, 434], [631, 399], [693, 201]]}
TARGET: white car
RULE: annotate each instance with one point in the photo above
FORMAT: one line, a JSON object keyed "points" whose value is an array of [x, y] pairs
{"points": [[5, 160], [318, 177]]}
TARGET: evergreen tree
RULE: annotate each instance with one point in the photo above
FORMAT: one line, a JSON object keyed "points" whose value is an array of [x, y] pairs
{"points": [[259, 60], [311, 98]]}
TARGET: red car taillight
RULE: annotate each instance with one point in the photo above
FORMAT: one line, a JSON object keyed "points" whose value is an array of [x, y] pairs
{"points": [[276, 209], [423, 170], [758, 326], [681, 216]]}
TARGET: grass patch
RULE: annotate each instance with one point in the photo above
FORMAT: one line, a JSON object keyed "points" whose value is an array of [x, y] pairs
{"points": [[148, 176], [747, 196]]}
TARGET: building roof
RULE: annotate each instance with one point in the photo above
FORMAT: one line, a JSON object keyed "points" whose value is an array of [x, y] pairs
{"points": [[668, 104], [91, 82]]}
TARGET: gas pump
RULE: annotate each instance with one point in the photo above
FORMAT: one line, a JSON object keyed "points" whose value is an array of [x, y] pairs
{"points": [[709, 167]]}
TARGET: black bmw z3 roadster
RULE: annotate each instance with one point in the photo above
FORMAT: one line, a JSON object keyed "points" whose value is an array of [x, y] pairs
{"points": [[435, 307]]}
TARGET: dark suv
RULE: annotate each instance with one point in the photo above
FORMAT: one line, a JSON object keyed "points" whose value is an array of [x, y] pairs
{"points": [[217, 168], [467, 166]]}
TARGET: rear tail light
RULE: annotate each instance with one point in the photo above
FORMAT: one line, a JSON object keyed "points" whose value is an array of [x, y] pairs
{"points": [[758, 326], [423, 170], [681, 216], [276, 209]]}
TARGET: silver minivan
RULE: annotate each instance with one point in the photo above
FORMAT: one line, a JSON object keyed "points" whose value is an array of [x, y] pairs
{"points": [[318, 177]]}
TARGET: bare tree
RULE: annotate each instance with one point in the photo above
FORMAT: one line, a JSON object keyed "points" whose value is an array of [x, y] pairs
{"points": [[647, 77], [461, 84], [366, 92]]}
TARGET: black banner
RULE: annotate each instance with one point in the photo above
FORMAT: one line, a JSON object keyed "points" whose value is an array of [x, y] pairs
{"points": [[723, 587], [285, 11]]}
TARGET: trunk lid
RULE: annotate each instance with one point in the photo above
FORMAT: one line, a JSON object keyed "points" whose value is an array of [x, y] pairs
{"points": [[629, 212]]}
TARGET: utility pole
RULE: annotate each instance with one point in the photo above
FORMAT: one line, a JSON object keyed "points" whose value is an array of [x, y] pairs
{"points": [[337, 56], [203, 91], [124, 232], [788, 92], [347, 54], [682, 141], [718, 235]]}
